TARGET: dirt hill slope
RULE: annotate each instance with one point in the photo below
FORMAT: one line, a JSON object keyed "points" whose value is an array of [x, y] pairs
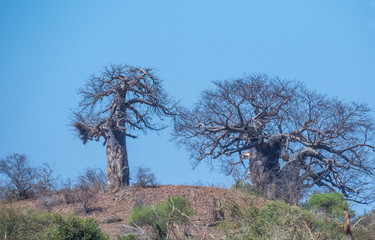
{"points": [[112, 209]]}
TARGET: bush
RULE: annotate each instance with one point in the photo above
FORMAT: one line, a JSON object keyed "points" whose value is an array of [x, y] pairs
{"points": [[21, 180], [49, 202], [73, 228], [365, 229], [277, 220], [94, 178], [90, 183], [31, 225], [68, 191], [3, 190], [162, 217], [144, 177], [16, 224], [331, 204]]}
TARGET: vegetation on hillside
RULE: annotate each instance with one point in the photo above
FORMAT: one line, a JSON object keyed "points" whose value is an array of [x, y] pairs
{"points": [[42, 225], [278, 220], [164, 217], [332, 205], [173, 218], [287, 138]]}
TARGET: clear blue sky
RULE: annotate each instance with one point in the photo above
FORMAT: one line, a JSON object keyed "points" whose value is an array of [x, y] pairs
{"points": [[48, 49]]}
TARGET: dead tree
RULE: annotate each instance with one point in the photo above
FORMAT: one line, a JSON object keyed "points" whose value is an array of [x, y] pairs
{"points": [[120, 100], [293, 137]]}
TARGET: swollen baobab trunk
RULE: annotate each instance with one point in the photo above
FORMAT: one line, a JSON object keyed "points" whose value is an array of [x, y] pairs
{"points": [[120, 100], [265, 166], [271, 179], [117, 160], [300, 138]]}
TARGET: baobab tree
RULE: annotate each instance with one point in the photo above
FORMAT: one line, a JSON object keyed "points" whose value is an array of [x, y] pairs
{"points": [[117, 102], [293, 138]]}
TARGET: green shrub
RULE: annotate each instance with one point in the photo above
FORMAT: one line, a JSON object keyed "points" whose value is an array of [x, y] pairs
{"points": [[331, 204], [18, 224], [278, 220], [35, 224], [73, 228], [296, 223], [163, 216]]}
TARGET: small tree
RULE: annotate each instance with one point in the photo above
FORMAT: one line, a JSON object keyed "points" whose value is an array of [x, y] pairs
{"points": [[90, 183], [116, 102], [46, 180], [67, 191], [21, 176], [95, 178], [144, 177]]}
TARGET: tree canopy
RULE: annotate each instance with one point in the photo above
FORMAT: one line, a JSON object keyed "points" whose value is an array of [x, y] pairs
{"points": [[289, 138]]}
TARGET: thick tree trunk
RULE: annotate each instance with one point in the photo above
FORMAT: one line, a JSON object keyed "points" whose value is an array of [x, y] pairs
{"points": [[267, 177], [263, 170], [117, 160], [264, 167]]}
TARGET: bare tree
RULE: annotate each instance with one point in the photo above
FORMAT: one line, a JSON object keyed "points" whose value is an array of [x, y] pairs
{"points": [[289, 135], [114, 104], [95, 178], [46, 180], [144, 177], [21, 176], [89, 184]]}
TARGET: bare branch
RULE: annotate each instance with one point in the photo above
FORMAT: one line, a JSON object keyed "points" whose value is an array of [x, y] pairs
{"points": [[119, 101], [294, 132]]}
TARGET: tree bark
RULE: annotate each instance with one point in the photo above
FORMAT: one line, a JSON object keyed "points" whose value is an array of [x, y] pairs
{"points": [[266, 175], [117, 160], [265, 166]]}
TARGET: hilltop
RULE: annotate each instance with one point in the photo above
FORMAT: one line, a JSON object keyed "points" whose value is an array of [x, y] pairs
{"points": [[112, 209], [244, 215]]}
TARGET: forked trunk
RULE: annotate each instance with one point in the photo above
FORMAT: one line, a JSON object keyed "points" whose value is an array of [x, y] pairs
{"points": [[117, 161]]}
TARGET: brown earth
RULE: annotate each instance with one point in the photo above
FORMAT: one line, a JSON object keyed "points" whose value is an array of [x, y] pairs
{"points": [[112, 209]]}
